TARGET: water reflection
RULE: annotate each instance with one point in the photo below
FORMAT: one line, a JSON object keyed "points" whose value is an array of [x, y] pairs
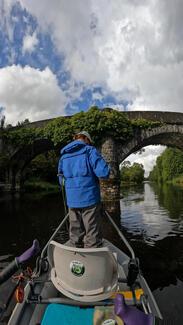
{"points": [[145, 212], [152, 219], [170, 197]]}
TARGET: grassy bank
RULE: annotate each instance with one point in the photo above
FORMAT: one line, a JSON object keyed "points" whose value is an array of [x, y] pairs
{"points": [[40, 186], [177, 180], [130, 183]]}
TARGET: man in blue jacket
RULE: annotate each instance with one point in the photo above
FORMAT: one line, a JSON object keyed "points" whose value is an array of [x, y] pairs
{"points": [[81, 166]]}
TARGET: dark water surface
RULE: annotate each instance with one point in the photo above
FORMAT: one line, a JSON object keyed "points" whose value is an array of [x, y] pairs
{"points": [[151, 219]]}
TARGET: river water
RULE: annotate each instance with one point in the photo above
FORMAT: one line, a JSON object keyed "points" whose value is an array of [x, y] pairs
{"points": [[151, 219]]}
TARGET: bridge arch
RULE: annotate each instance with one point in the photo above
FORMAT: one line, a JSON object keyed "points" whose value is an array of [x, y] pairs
{"points": [[169, 133], [20, 159], [115, 153]]}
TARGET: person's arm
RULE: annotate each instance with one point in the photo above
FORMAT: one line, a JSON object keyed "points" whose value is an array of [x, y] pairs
{"points": [[100, 168], [60, 172]]}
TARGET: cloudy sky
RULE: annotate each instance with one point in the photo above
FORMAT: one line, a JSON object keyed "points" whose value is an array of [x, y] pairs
{"points": [[62, 56]]}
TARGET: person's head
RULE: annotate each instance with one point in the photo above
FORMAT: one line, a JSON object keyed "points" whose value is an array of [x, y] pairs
{"points": [[84, 136]]}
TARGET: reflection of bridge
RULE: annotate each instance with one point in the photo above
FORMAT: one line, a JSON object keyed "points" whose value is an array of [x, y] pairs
{"points": [[169, 133]]}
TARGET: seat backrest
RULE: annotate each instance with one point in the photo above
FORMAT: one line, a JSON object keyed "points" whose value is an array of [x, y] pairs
{"points": [[84, 274]]}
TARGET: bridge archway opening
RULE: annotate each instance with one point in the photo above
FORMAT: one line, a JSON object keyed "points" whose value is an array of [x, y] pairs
{"points": [[22, 158], [146, 156], [41, 171]]}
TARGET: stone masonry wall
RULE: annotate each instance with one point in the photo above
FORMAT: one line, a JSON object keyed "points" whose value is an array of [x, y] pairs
{"points": [[110, 189]]}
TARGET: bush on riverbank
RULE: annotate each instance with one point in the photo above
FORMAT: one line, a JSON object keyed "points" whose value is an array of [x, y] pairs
{"points": [[41, 174], [132, 174], [44, 168], [169, 167], [178, 180]]}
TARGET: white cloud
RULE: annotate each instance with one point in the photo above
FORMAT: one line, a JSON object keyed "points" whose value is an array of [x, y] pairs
{"points": [[147, 158], [5, 21], [30, 93], [131, 48], [29, 43], [97, 96]]}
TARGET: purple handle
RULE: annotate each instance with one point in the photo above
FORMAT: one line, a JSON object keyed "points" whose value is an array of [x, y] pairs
{"points": [[30, 252], [129, 314]]}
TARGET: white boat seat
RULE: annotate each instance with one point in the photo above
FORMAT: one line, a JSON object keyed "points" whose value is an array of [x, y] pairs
{"points": [[83, 274]]}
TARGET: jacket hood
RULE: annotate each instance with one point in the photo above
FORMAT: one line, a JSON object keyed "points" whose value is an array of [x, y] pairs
{"points": [[73, 146]]}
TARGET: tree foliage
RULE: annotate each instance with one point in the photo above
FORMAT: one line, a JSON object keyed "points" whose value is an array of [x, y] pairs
{"points": [[43, 167], [22, 136], [99, 123], [2, 122], [168, 166], [132, 173], [144, 124], [22, 123]]}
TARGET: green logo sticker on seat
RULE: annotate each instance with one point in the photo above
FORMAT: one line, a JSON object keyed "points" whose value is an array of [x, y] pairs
{"points": [[77, 268]]}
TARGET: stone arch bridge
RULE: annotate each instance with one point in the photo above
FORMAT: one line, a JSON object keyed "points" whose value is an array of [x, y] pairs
{"points": [[169, 133]]}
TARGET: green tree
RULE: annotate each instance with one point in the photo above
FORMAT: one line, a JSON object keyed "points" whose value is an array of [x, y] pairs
{"points": [[132, 173], [22, 123], [44, 167], [125, 171], [2, 122], [168, 166]]}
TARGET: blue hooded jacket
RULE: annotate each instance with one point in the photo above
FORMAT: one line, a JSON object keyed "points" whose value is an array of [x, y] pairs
{"points": [[81, 165]]}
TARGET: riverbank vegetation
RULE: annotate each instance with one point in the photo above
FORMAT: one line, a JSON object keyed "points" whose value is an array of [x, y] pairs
{"points": [[169, 167], [41, 174], [37, 185], [131, 174]]}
